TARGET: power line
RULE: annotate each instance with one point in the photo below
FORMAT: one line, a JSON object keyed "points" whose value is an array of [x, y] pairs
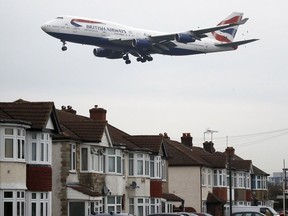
{"points": [[248, 139]]}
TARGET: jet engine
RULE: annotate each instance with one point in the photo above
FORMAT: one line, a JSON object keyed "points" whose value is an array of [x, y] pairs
{"points": [[110, 54], [141, 43], [184, 38]]}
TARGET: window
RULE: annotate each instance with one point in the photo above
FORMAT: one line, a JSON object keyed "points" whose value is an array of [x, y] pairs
{"points": [[40, 148], [84, 159], [73, 157], [203, 177], [131, 164], [39, 204], [95, 207], [219, 178], [14, 144], [139, 164], [114, 160], [259, 182], [144, 206], [114, 203], [14, 203], [9, 145], [163, 170], [157, 167], [92, 159], [97, 159], [152, 166]]}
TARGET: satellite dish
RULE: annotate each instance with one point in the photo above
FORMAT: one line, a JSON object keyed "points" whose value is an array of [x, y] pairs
{"points": [[134, 185], [105, 190]]}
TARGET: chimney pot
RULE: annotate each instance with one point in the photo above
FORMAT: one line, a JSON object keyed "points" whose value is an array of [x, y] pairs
{"points": [[98, 114], [69, 109], [187, 140], [209, 146]]}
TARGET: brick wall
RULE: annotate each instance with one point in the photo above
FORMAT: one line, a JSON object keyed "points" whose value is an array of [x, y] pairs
{"points": [[39, 178], [156, 188]]}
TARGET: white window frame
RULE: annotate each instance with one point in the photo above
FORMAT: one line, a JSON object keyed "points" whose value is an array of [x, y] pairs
{"points": [[72, 157], [94, 159], [219, 178], [41, 202], [143, 205], [17, 138], [95, 207], [139, 164], [114, 161], [17, 200], [113, 204], [39, 148], [156, 165]]}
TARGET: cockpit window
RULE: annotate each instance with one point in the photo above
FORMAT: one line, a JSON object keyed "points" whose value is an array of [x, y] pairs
{"points": [[59, 18]]}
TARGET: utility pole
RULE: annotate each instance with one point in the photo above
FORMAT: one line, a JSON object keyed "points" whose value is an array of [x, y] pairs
{"points": [[285, 187], [230, 151]]}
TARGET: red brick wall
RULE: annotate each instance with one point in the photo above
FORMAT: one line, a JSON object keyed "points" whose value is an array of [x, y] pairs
{"points": [[39, 178], [220, 193], [155, 188]]}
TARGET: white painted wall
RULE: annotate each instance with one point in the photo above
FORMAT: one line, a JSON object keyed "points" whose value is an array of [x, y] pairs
{"points": [[185, 182], [13, 175]]}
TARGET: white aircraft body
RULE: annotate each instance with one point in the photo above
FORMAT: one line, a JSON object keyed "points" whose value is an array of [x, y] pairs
{"points": [[115, 41]]}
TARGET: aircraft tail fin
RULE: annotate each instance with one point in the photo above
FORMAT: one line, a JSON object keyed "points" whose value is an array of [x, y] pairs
{"points": [[227, 35]]}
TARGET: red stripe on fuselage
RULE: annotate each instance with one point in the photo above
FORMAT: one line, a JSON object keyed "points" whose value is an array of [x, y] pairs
{"points": [[86, 21]]}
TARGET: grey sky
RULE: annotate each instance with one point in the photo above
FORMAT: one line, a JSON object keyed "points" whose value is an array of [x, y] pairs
{"points": [[236, 93]]}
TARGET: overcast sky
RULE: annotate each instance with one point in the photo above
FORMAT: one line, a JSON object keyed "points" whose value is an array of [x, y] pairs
{"points": [[241, 94]]}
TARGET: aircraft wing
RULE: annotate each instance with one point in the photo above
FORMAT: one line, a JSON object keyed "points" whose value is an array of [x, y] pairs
{"points": [[236, 43], [197, 34]]}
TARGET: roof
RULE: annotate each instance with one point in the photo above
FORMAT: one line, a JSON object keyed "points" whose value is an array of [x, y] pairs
{"points": [[181, 155], [36, 113], [80, 128], [172, 197], [118, 137], [151, 142], [85, 190], [257, 171]]}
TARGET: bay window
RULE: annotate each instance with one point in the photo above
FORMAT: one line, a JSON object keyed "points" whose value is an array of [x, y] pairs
{"points": [[139, 164]]}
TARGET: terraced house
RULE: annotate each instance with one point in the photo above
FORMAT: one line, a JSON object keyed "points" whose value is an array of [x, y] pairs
{"points": [[99, 168], [26, 131], [56, 162]]}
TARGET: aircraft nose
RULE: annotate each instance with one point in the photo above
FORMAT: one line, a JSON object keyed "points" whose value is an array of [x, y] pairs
{"points": [[44, 27]]}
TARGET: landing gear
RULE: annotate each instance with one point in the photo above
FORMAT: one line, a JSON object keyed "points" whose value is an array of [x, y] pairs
{"points": [[140, 58], [64, 48], [144, 58], [126, 58]]}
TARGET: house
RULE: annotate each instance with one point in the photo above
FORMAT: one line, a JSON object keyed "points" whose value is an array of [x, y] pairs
{"points": [[26, 130], [99, 168], [201, 177]]}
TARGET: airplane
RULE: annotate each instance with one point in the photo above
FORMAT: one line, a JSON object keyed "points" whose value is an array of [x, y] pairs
{"points": [[116, 41]]}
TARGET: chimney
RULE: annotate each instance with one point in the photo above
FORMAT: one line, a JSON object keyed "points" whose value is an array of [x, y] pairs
{"points": [[68, 109], [98, 114], [230, 151], [186, 140], [209, 146]]}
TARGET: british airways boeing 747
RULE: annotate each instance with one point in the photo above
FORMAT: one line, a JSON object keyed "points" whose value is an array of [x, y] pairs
{"points": [[115, 41]]}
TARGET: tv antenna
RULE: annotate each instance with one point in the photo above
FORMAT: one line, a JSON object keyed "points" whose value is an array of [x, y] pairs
{"points": [[209, 131]]}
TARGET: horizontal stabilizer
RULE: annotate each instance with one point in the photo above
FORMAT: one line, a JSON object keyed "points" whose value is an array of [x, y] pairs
{"points": [[236, 43]]}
